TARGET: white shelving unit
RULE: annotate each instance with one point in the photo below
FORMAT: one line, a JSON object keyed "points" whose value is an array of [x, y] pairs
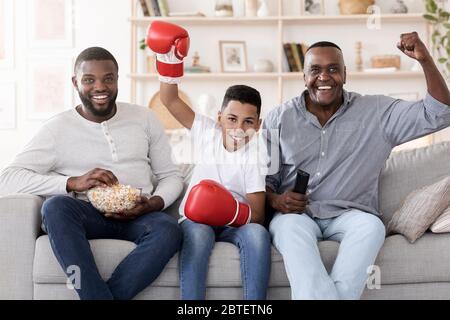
{"points": [[280, 21]]}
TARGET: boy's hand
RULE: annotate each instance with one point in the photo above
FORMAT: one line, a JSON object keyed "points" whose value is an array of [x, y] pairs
{"points": [[171, 45]]}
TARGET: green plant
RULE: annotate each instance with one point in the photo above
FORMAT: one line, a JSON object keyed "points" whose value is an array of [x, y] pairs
{"points": [[438, 16], [142, 44]]}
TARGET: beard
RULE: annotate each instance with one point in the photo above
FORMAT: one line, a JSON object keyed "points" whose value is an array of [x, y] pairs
{"points": [[90, 106]]}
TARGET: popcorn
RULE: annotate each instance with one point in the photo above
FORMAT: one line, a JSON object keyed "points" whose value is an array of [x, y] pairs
{"points": [[114, 199]]}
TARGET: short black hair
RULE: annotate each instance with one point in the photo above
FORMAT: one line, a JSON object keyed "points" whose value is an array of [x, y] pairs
{"points": [[243, 94], [324, 44], [94, 53]]}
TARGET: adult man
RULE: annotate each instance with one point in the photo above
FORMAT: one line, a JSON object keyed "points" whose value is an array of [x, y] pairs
{"points": [[100, 143], [343, 140]]}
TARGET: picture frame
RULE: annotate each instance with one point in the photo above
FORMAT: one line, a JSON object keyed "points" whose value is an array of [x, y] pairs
{"points": [[312, 7], [49, 86], [6, 34], [233, 56], [50, 24], [7, 105]]}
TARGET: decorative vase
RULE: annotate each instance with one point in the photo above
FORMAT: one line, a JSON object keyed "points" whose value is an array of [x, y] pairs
{"points": [[399, 7], [263, 65]]}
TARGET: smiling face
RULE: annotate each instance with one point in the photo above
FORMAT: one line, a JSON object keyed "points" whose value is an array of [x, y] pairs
{"points": [[96, 83], [325, 76], [239, 122]]}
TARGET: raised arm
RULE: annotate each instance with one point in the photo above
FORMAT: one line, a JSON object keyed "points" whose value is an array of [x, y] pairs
{"points": [[411, 45], [177, 107], [171, 45]]}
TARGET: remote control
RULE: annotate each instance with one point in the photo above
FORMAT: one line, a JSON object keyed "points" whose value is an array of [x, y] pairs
{"points": [[301, 183]]}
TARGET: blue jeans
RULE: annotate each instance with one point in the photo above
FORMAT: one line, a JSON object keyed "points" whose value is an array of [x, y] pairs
{"points": [[70, 223], [253, 241], [361, 236]]}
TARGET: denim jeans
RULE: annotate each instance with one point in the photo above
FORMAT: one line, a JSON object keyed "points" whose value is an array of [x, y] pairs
{"points": [[70, 223], [361, 236], [253, 241]]}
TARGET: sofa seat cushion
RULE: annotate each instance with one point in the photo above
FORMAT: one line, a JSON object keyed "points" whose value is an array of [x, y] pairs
{"points": [[427, 260], [224, 269]]}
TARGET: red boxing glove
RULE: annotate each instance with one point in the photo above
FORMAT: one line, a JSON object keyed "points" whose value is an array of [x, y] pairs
{"points": [[210, 203], [171, 45]]}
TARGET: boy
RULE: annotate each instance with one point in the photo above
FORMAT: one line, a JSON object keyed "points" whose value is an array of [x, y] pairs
{"points": [[223, 156]]}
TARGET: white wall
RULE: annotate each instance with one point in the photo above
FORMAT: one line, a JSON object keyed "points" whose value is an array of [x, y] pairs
{"points": [[105, 23], [97, 23]]}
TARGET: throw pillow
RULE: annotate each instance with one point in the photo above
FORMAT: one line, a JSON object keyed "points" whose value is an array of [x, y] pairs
{"points": [[420, 209], [442, 224]]}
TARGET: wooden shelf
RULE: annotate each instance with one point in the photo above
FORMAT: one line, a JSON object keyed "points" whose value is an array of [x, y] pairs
{"points": [[206, 20], [274, 75], [355, 18], [401, 18], [281, 21]]}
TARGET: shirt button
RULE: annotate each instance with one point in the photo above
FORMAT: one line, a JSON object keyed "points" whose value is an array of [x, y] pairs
{"points": [[323, 154], [324, 131], [318, 174]]}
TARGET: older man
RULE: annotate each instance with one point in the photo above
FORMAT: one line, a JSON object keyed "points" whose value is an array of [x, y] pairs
{"points": [[343, 140]]}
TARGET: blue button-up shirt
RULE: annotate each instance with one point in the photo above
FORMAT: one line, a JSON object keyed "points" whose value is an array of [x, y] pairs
{"points": [[345, 157]]}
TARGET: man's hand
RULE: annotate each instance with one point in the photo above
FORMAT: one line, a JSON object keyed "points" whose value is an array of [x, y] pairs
{"points": [[143, 205], [94, 178], [289, 202], [411, 45]]}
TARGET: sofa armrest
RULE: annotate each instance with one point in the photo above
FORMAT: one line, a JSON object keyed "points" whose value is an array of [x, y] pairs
{"points": [[20, 220]]}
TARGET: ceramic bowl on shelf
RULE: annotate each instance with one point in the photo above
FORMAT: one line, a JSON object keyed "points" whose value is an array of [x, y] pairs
{"points": [[263, 65]]}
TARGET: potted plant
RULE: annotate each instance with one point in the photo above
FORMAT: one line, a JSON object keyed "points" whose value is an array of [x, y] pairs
{"points": [[438, 16]]}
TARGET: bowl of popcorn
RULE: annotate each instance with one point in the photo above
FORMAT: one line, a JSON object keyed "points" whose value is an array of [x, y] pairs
{"points": [[114, 199]]}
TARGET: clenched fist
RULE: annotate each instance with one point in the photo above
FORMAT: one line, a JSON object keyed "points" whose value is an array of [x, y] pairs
{"points": [[411, 45]]}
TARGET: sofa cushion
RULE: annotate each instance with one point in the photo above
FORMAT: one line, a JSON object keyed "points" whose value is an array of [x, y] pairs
{"points": [[420, 210], [409, 170], [224, 269], [427, 260], [442, 223]]}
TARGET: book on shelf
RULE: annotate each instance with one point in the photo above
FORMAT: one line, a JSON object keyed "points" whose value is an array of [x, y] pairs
{"points": [[145, 9], [290, 57], [295, 56], [301, 47], [295, 53], [153, 8], [163, 8]]}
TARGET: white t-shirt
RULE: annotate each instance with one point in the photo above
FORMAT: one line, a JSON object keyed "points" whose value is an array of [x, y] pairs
{"points": [[240, 172]]}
